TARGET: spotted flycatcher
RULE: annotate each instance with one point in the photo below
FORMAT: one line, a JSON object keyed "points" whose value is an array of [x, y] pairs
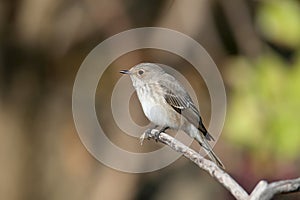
{"points": [[167, 104]]}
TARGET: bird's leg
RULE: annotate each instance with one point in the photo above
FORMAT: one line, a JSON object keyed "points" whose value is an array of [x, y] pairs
{"points": [[146, 134], [156, 136], [149, 130]]}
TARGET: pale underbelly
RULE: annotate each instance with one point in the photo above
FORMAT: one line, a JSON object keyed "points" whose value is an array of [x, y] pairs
{"points": [[160, 114]]}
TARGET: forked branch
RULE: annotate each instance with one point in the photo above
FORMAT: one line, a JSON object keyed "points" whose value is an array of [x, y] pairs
{"points": [[263, 190]]}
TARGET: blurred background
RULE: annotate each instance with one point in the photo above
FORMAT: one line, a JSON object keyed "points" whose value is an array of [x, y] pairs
{"points": [[255, 44]]}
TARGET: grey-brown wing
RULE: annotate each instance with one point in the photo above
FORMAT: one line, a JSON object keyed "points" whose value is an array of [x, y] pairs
{"points": [[181, 102]]}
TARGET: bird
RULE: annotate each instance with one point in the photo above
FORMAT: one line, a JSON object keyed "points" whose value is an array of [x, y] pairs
{"points": [[166, 103]]}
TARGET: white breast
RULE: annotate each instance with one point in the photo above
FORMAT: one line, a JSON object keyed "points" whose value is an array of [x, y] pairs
{"points": [[155, 109]]}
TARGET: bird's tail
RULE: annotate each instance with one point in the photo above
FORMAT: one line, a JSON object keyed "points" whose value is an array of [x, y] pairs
{"points": [[202, 140], [210, 152]]}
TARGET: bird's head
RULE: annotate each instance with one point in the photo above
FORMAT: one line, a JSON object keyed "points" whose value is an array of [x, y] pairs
{"points": [[143, 73]]}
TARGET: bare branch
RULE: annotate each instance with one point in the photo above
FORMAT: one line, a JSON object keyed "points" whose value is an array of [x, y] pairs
{"points": [[263, 190], [221, 176]]}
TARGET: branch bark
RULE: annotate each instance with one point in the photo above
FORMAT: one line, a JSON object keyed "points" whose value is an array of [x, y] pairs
{"points": [[263, 190]]}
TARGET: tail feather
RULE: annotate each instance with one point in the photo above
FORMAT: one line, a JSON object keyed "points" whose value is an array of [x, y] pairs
{"points": [[213, 157], [202, 139]]}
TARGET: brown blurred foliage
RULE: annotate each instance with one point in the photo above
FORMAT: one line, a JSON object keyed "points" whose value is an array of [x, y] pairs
{"points": [[42, 45]]}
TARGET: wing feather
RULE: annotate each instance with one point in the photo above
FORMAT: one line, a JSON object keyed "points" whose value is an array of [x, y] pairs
{"points": [[181, 102]]}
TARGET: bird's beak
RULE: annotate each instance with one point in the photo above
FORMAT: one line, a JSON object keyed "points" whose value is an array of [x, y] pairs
{"points": [[125, 72]]}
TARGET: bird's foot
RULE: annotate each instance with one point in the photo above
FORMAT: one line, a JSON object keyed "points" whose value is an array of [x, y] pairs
{"points": [[145, 135], [157, 134]]}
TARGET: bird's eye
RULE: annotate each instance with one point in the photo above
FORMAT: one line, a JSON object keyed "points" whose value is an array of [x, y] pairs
{"points": [[140, 72]]}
